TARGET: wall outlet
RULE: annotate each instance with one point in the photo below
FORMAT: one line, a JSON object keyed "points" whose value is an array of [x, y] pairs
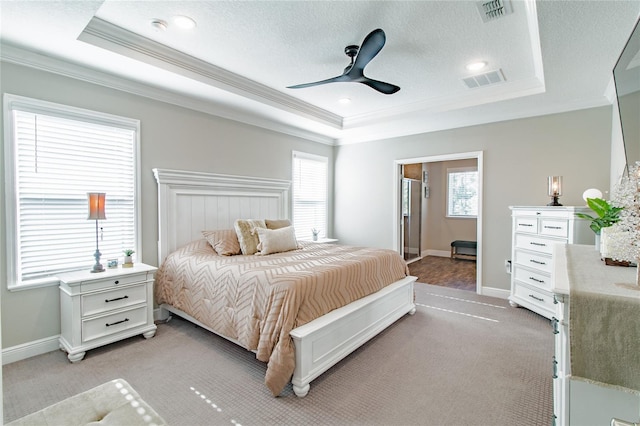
{"points": [[507, 266]]}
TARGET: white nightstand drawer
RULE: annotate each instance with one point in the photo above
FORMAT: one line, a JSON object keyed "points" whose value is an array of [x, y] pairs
{"points": [[527, 224], [533, 296], [110, 324], [533, 260], [112, 282], [555, 228], [541, 245], [95, 303], [533, 278]]}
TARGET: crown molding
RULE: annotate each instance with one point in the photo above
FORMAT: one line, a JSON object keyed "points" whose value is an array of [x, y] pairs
{"points": [[108, 36], [19, 56]]}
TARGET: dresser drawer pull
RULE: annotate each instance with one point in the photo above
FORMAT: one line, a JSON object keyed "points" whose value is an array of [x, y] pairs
{"points": [[537, 261], [554, 325], [525, 224], [116, 282], [117, 298], [117, 322], [533, 243], [539, 299], [555, 368], [553, 227], [536, 280]]}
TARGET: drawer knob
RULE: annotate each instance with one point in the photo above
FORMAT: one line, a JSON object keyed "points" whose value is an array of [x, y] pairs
{"points": [[116, 282], [539, 299], [117, 298], [117, 322]]}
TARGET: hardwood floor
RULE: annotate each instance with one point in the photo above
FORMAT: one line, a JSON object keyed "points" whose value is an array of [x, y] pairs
{"points": [[446, 272]]}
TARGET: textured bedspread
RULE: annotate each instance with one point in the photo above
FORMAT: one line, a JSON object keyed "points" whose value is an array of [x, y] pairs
{"points": [[258, 300]]}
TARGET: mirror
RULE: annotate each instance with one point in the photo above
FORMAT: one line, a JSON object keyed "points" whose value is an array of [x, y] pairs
{"points": [[626, 75]]}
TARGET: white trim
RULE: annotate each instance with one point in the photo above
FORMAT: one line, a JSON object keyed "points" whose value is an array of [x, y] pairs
{"points": [[397, 179], [438, 253], [500, 293], [30, 349]]}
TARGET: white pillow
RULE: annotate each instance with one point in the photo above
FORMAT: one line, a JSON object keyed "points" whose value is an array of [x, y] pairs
{"points": [[276, 240], [247, 237]]}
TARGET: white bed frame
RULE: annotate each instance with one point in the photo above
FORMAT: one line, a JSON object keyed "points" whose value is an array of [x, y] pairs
{"points": [[189, 202]]}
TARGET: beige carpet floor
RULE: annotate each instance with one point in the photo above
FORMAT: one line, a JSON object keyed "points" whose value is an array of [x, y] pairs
{"points": [[462, 359]]}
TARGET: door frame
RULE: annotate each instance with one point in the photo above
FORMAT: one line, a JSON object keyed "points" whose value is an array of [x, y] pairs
{"points": [[397, 184]]}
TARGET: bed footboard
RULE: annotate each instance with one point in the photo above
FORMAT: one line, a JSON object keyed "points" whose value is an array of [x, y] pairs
{"points": [[323, 342]]}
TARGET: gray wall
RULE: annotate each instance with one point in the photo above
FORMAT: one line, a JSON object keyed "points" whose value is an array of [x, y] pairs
{"points": [[171, 137], [518, 157]]}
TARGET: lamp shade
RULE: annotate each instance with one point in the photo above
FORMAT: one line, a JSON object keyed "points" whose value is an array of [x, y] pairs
{"points": [[555, 186], [96, 205]]}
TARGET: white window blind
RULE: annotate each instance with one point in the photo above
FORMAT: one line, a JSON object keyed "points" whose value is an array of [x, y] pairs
{"points": [[310, 177], [60, 154], [462, 192]]}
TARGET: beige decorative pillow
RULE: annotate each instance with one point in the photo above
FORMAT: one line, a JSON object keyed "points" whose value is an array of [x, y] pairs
{"points": [[277, 223], [247, 238], [224, 241], [276, 240]]}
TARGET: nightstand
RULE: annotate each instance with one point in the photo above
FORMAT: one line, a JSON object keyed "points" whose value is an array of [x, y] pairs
{"points": [[101, 308]]}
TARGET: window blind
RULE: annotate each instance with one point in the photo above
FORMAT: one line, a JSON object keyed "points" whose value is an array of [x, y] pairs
{"points": [[462, 185], [310, 176], [57, 161]]}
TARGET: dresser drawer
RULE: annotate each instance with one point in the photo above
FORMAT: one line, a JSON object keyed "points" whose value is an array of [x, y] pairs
{"points": [[95, 303], [106, 325], [535, 297], [533, 278], [554, 227], [533, 260], [527, 224], [112, 282], [538, 244]]}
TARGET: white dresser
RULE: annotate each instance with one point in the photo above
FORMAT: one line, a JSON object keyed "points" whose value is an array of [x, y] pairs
{"points": [[101, 308], [592, 401], [535, 231]]}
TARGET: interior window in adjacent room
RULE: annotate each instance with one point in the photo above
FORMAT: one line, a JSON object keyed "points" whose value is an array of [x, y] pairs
{"points": [[54, 156], [462, 192], [310, 181]]}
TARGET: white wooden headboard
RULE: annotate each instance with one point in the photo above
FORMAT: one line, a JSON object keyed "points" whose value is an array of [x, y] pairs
{"points": [[190, 202]]}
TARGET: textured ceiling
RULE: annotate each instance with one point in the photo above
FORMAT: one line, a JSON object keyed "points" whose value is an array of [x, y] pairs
{"points": [[237, 62]]}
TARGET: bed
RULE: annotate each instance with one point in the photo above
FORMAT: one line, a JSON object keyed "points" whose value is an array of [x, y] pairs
{"points": [[279, 305]]}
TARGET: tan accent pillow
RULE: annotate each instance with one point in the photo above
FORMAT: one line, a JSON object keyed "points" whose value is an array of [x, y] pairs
{"points": [[276, 240], [224, 241], [277, 223], [247, 238]]}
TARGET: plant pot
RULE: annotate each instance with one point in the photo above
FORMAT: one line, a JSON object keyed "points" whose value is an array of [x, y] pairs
{"points": [[128, 262]]}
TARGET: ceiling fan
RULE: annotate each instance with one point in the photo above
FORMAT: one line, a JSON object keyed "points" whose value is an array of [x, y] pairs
{"points": [[354, 72]]}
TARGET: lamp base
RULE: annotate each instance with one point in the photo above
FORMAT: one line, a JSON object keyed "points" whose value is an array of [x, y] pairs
{"points": [[98, 266], [554, 201]]}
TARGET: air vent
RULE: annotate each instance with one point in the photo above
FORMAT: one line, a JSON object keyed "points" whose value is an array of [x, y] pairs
{"points": [[494, 9], [485, 79]]}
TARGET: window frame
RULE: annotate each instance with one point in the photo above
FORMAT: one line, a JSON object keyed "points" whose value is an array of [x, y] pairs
{"points": [[448, 193], [314, 157], [14, 102]]}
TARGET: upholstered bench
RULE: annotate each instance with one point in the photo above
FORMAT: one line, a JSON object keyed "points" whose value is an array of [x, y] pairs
{"points": [[469, 248], [113, 403]]}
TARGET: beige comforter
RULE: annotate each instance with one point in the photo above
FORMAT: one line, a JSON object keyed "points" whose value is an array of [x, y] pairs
{"points": [[257, 300]]}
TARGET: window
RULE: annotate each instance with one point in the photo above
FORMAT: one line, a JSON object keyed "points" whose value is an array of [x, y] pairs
{"points": [[55, 155], [462, 192], [310, 178]]}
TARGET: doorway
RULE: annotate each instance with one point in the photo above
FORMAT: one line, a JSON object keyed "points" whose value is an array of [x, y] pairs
{"points": [[399, 230]]}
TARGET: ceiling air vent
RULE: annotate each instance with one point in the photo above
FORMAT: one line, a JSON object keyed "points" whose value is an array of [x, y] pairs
{"points": [[494, 9], [485, 79]]}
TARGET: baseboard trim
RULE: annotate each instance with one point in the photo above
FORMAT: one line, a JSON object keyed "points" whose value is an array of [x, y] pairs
{"points": [[439, 253], [30, 349], [495, 292]]}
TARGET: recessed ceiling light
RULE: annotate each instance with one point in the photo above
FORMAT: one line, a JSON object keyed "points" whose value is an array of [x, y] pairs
{"points": [[344, 101], [475, 66], [159, 25], [184, 22]]}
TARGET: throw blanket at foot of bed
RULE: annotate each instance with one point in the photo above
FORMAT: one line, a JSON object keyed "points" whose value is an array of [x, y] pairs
{"points": [[257, 300]]}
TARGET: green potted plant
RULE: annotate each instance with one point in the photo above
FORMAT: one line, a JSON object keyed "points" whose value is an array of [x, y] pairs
{"points": [[128, 260], [607, 214]]}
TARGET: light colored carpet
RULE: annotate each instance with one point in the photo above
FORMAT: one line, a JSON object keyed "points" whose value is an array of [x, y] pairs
{"points": [[462, 359]]}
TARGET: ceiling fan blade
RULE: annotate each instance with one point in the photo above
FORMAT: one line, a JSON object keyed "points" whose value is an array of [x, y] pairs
{"points": [[380, 86], [317, 83], [371, 46]]}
